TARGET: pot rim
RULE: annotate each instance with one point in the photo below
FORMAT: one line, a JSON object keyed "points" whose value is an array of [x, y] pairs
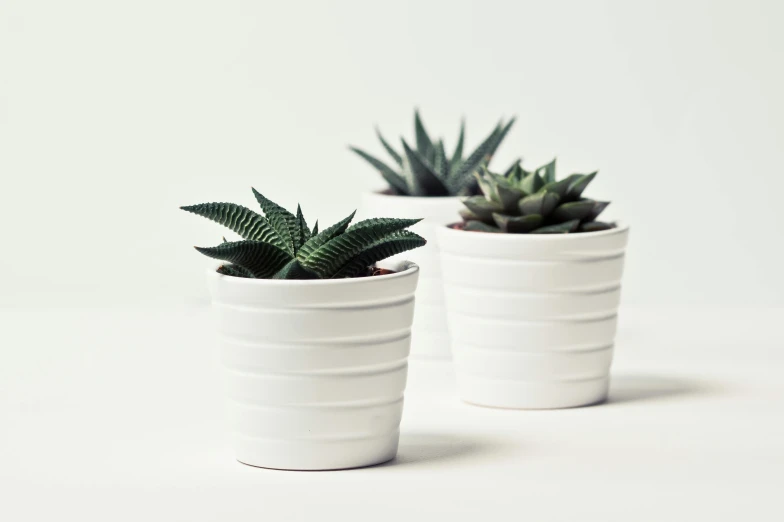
{"points": [[409, 268], [418, 199], [620, 228]]}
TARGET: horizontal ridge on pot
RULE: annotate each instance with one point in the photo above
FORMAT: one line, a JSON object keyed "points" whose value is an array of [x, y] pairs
{"points": [[532, 317], [315, 370]]}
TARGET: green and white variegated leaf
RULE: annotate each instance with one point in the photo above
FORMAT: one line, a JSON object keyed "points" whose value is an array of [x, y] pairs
{"points": [[561, 228], [578, 210], [285, 222], [327, 259], [396, 182], [245, 222], [234, 270], [423, 142], [425, 180], [392, 152], [318, 240], [261, 259], [457, 155], [393, 244]]}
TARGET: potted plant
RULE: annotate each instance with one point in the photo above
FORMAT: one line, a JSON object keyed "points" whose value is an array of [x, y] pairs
{"points": [[532, 283], [314, 339], [424, 181]]}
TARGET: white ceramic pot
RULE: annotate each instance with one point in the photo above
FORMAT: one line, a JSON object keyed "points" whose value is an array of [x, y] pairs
{"points": [[315, 370], [430, 333], [532, 317]]}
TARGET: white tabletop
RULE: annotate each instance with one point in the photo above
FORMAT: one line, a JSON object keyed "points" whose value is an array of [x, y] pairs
{"points": [[117, 414]]}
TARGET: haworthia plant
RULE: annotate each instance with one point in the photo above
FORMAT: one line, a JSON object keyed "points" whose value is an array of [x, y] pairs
{"points": [[425, 169], [522, 202], [280, 245]]}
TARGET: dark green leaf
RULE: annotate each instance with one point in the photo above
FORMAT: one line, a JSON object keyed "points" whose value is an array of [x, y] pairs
{"points": [[518, 225], [542, 203], [423, 142], [391, 245], [547, 172], [261, 259], [482, 208], [315, 229], [577, 186], [294, 270], [284, 222], [239, 219], [560, 228], [462, 177], [531, 183], [395, 180], [467, 215], [478, 226], [318, 240], [457, 155], [595, 226], [440, 164], [578, 210], [559, 187], [303, 232], [392, 152], [234, 270], [598, 208], [425, 179]]}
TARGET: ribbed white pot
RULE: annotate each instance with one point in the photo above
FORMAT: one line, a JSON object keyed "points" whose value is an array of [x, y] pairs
{"points": [[532, 317], [315, 370], [430, 333]]}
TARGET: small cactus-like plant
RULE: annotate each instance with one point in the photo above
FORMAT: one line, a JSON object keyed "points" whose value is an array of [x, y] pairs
{"points": [[522, 202], [425, 170], [280, 245]]}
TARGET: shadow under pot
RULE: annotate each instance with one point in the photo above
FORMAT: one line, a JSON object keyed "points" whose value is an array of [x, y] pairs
{"points": [[532, 317], [315, 369]]}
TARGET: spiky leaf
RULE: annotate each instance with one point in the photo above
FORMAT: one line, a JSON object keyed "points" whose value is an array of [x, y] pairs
{"points": [[285, 222], [423, 142], [461, 178], [482, 208], [318, 240], [559, 187], [577, 186], [393, 244], [234, 270], [547, 172], [261, 259], [531, 183], [457, 155], [440, 164], [598, 208], [392, 152], [303, 232], [315, 229], [578, 210], [239, 219], [478, 226], [518, 225], [331, 256], [541, 203], [425, 179], [294, 270], [560, 228], [395, 180]]}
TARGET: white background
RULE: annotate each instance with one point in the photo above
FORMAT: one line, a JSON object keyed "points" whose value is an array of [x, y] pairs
{"points": [[113, 114]]}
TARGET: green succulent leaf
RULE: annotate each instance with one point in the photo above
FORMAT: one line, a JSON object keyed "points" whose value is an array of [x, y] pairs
{"points": [[393, 244], [316, 241], [482, 208], [327, 259], [423, 142], [577, 186], [315, 229], [559, 187], [457, 155], [284, 222], [594, 226], [598, 208], [261, 259], [541, 203], [392, 152], [560, 228], [578, 210], [425, 179], [547, 172], [395, 180], [303, 232], [518, 224], [463, 175], [441, 164], [234, 270], [294, 270], [467, 215], [478, 226], [239, 219], [532, 182]]}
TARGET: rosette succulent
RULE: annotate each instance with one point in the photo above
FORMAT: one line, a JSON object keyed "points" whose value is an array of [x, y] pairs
{"points": [[280, 245], [426, 170], [522, 202]]}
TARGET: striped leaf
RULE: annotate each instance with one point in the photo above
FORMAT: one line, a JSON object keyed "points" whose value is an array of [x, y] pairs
{"points": [[285, 222], [261, 259], [393, 244], [392, 152], [318, 240], [245, 222], [234, 270], [303, 232], [395, 180], [426, 181], [463, 177]]}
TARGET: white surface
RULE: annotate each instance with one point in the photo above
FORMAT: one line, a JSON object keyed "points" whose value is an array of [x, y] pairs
{"points": [[113, 114], [430, 334], [315, 371], [533, 317], [115, 414]]}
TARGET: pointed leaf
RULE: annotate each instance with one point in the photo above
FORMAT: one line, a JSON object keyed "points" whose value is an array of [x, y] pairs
{"points": [[478, 226], [392, 152], [234, 270], [423, 142], [542, 203], [395, 180], [315, 229], [391, 245], [482, 208], [532, 182], [285, 222], [595, 226], [317, 240], [559, 187], [577, 186], [547, 172], [293, 270], [503, 130], [261, 259], [457, 155], [440, 164], [561, 228], [598, 208], [462, 178], [303, 232], [510, 172], [425, 179], [239, 219], [578, 210], [518, 225], [467, 215]]}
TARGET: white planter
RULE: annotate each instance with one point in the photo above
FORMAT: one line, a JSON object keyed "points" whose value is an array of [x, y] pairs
{"points": [[532, 317], [430, 333], [315, 370]]}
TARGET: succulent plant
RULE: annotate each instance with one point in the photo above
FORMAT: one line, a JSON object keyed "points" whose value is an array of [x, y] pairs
{"points": [[279, 244], [427, 171], [522, 202]]}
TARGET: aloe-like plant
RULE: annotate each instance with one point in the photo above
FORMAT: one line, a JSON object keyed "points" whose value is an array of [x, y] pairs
{"points": [[280, 245], [522, 202], [425, 170]]}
